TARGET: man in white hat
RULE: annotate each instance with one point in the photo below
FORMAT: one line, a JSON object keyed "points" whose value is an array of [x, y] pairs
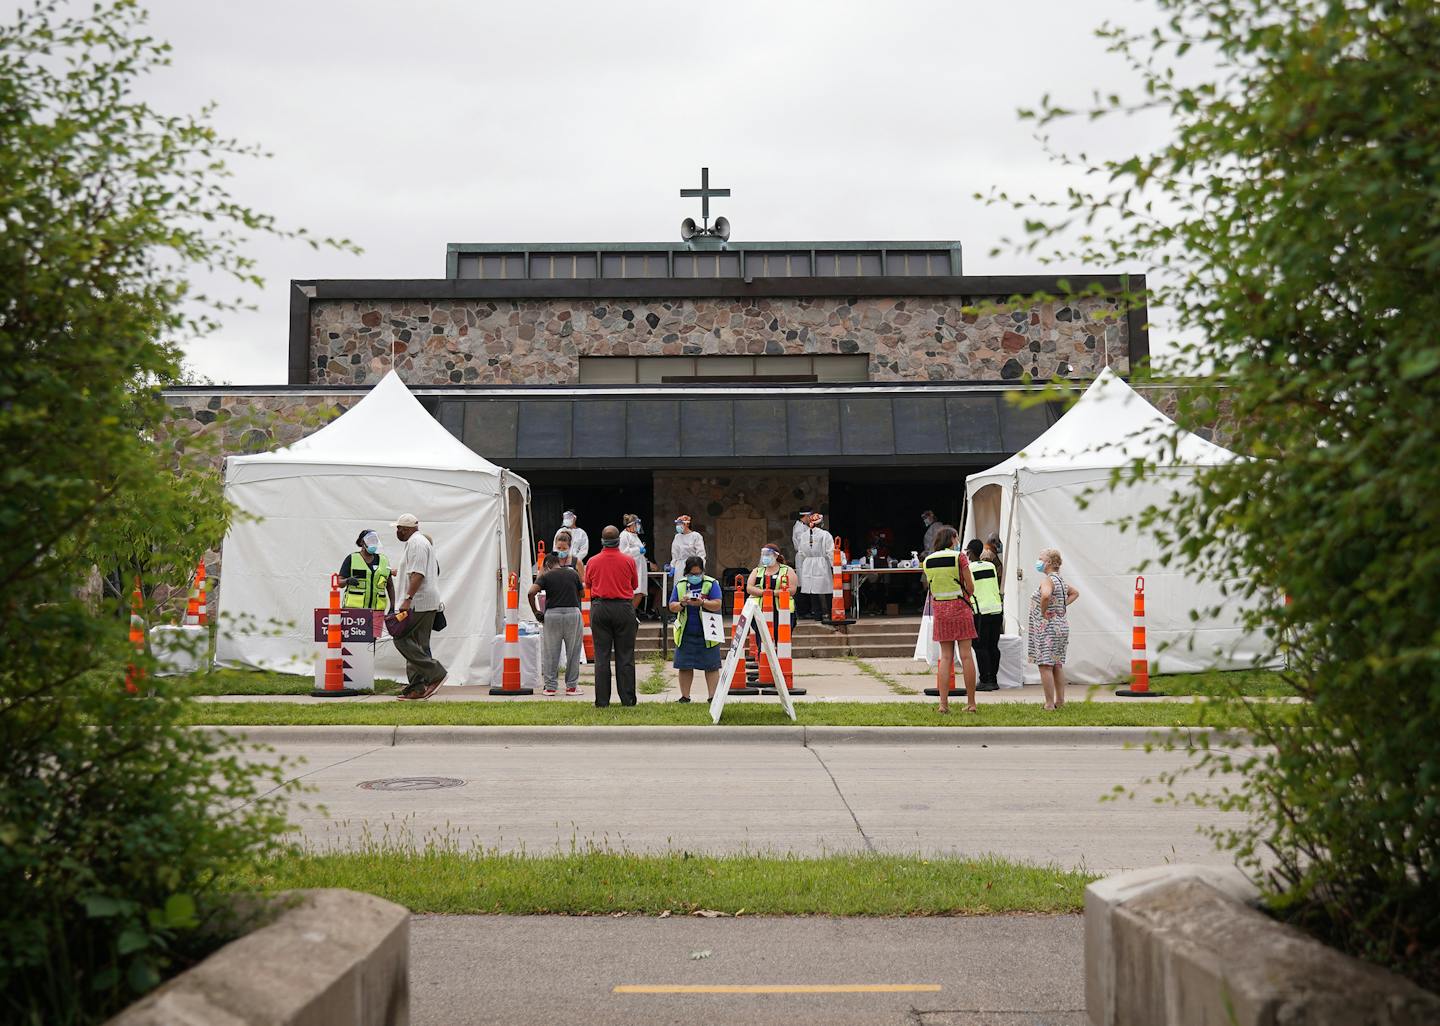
{"points": [[420, 598]]}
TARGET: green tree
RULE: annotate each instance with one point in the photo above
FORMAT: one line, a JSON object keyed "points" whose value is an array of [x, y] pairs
{"points": [[115, 822], [1291, 226]]}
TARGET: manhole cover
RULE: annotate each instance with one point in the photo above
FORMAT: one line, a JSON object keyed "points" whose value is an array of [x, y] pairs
{"points": [[412, 783]]}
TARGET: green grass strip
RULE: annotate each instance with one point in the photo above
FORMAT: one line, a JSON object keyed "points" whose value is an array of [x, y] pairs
{"points": [[553, 712], [603, 883]]}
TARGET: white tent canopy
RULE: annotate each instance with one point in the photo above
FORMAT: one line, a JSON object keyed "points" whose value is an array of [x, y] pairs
{"points": [[300, 509], [1030, 501]]}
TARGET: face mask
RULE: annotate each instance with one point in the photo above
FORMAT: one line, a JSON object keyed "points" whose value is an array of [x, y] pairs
{"points": [[926, 521], [562, 553], [695, 579], [610, 543], [371, 542], [1039, 566], [569, 521], [679, 528], [639, 529], [766, 559]]}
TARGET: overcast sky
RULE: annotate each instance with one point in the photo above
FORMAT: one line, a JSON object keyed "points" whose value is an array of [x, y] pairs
{"points": [[406, 126]]}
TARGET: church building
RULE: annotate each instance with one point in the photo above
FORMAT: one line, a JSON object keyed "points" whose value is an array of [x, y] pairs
{"points": [[708, 376]]}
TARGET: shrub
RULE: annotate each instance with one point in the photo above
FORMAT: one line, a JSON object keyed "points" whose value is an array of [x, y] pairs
{"points": [[1291, 228], [114, 819]]}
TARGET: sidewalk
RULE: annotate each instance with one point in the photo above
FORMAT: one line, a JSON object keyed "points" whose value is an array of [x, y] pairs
{"points": [[978, 971], [825, 680]]}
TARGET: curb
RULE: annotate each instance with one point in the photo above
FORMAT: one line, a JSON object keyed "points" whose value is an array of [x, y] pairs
{"points": [[806, 737]]}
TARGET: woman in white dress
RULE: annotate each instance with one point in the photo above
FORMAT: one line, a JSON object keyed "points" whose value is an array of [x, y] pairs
{"points": [[632, 546]]}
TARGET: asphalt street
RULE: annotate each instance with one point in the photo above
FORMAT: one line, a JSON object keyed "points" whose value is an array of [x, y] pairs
{"points": [[967, 795], [556, 970]]}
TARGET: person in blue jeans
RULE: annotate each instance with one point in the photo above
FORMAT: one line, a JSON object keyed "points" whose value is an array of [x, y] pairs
{"points": [[693, 593]]}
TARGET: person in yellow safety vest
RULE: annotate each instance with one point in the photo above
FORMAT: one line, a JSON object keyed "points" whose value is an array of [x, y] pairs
{"points": [[366, 575], [773, 574], [693, 650], [989, 608], [947, 573]]}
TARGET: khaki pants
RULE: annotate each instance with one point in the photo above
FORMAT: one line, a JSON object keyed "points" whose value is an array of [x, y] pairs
{"points": [[420, 666]]}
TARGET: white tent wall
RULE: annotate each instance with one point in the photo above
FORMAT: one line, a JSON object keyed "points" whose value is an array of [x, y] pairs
{"points": [[1036, 504], [300, 509], [282, 562], [1100, 560]]}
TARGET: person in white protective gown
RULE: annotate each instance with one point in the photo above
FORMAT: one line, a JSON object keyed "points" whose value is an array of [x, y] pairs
{"points": [[799, 530], [579, 540], [687, 543], [632, 546], [814, 553]]}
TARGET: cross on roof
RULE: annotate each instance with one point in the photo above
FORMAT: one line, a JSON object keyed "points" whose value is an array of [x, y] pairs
{"points": [[704, 192]]}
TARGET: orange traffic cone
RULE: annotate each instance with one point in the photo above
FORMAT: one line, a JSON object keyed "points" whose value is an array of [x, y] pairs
{"points": [[738, 608], [767, 611], [1139, 654], [195, 611], [783, 647], [135, 674], [331, 683], [837, 589], [589, 639], [510, 677]]}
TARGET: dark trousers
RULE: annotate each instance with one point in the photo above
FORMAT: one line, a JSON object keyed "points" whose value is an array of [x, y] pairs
{"points": [[988, 627], [414, 645], [613, 627]]}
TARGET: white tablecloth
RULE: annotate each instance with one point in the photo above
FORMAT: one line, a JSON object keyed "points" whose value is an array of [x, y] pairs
{"points": [[1012, 661], [529, 661], [179, 649]]}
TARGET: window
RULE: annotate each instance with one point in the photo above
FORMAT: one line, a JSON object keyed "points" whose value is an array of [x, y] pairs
{"points": [[707, 265], [655, 370], [490, 266], [777, 265], [635, 265], [917, 262], [847, 264], [562, 265]]}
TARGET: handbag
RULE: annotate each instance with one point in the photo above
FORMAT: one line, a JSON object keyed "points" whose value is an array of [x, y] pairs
{"points": [[927, 649], [397, 625], [440, 621]]}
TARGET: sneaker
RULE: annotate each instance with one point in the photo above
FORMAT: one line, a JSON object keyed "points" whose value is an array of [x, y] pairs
{"points": [[682, 700], [549, 692], [572, 691]]}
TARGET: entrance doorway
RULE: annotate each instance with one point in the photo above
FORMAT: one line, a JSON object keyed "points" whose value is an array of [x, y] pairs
{"points": [[597, 497], [883, 504]]}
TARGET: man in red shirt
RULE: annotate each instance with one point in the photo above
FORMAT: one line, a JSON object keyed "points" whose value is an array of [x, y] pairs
{"points": [[612, 578]]}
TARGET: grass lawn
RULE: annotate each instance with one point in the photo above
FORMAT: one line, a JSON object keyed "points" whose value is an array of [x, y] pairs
{"points": [[1223, 684], [601, 883], [249, 682], [551, 712]]}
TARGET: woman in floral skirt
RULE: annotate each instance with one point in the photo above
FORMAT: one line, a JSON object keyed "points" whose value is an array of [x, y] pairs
{"points": [[1049, 627]]}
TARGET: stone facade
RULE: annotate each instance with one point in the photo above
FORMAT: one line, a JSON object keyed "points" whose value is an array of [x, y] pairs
{"points": [[704, 497], [907, 338], [246, 423]]}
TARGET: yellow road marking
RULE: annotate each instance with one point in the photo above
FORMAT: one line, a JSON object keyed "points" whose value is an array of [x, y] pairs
{"points": [[781, 988]]}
